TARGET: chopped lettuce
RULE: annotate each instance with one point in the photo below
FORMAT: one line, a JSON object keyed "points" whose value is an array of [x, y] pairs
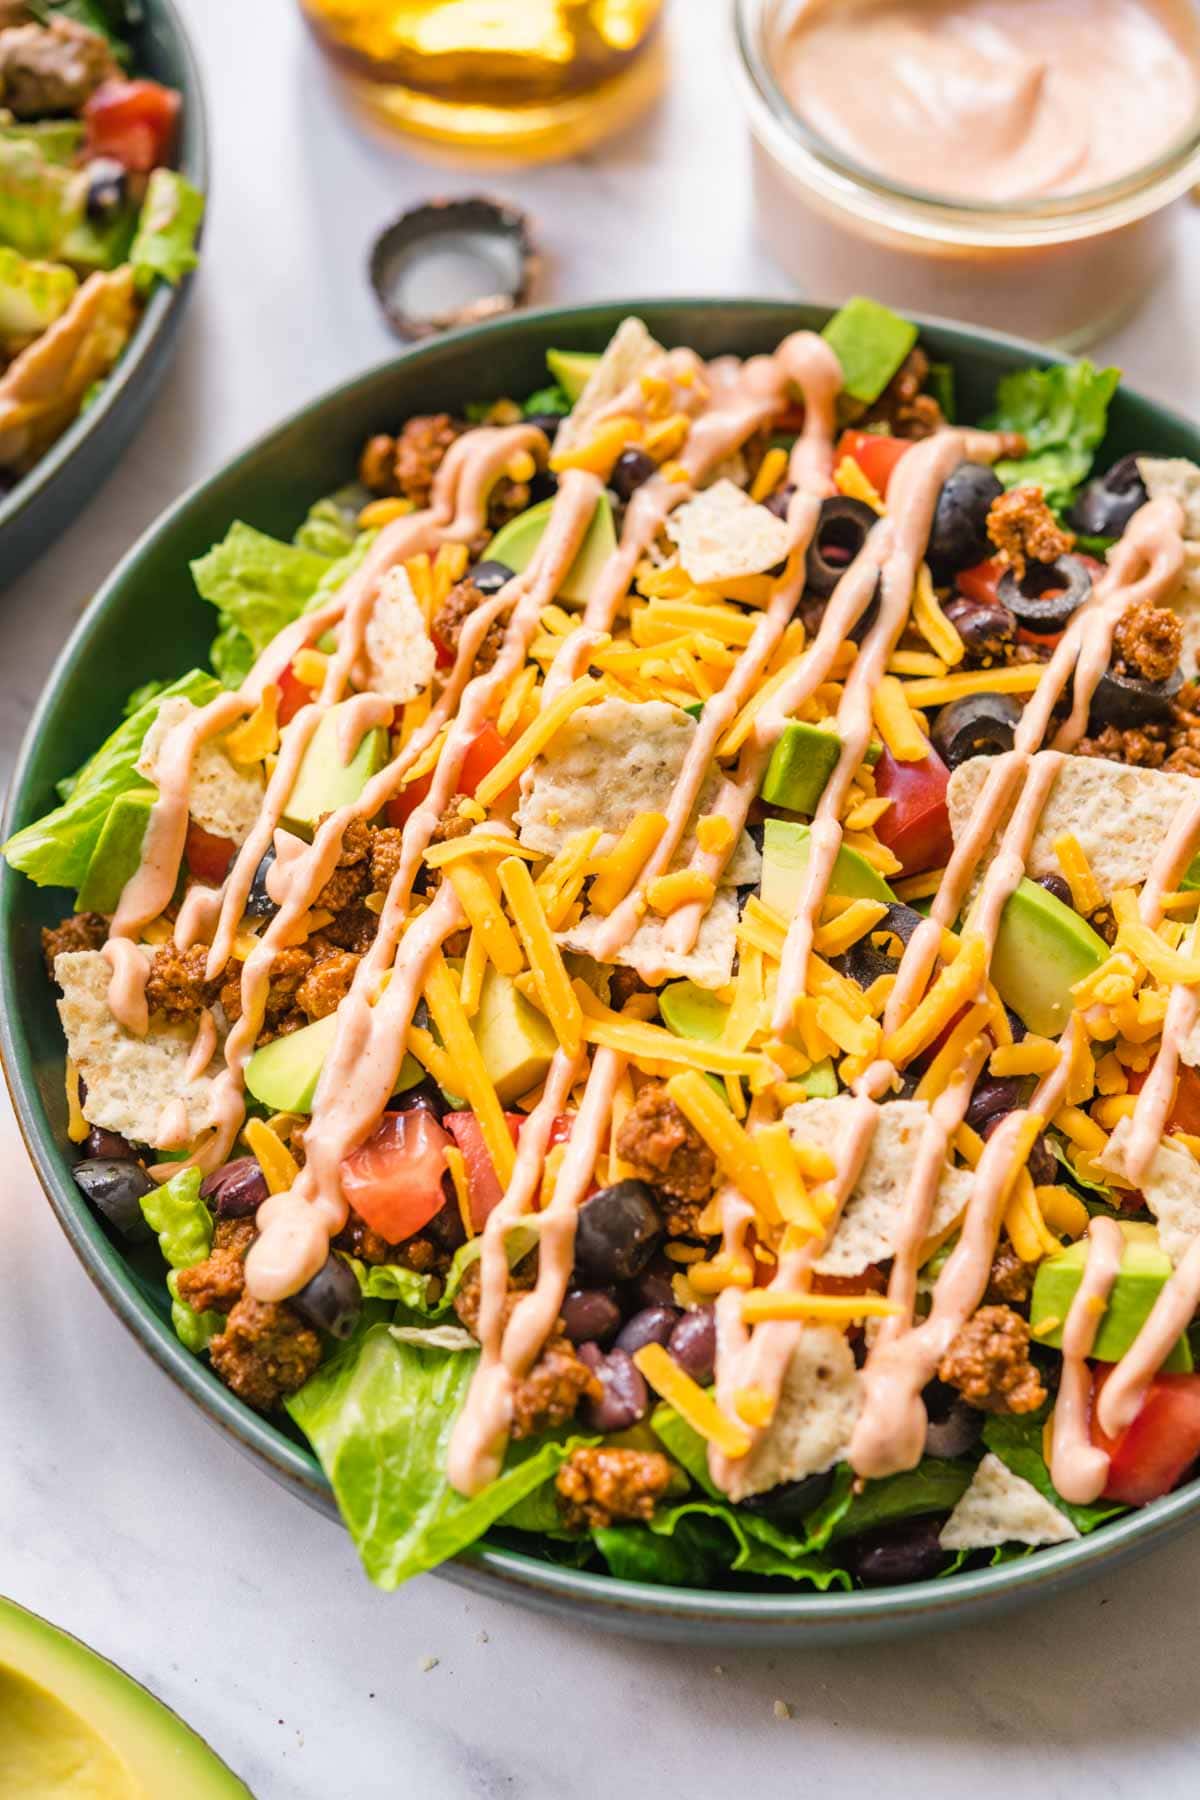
{"points": [[379, 1415], [547, 402], [870, 341], [1062, 412], [695, 1543], [259, 584], [55, 851], [331, 528], [934, 1486], [56, 140], [32, 295], [164, 244], [184, 1227], [1017, 1441], [40, 202], [111, 18]]}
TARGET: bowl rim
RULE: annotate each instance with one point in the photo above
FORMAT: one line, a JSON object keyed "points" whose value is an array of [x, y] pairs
{"points": [[733, 1617], [164, 302]]}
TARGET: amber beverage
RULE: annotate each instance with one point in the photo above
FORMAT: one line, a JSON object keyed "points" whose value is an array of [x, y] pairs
{"points": [[526, 78]]}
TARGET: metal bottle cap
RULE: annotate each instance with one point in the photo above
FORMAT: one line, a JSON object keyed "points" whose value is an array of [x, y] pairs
{"points": [[452, 262]]}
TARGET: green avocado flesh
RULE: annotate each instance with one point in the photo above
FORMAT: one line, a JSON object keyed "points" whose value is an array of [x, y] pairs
{"points": [[1042, 949], [324, 782], [514, 1038], [695, 1012], [118, 850], [1144, 1270], [870, 341], [75, 1727], [801, 763], [785, 859], [572, 369], [514, 544], [284, 1073]]}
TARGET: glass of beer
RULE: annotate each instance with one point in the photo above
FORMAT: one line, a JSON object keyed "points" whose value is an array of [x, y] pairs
{"points": [[515, 78]]}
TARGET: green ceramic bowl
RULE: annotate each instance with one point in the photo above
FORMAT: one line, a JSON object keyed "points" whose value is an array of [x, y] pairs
{"points": [[60, 485], [147, 621]]}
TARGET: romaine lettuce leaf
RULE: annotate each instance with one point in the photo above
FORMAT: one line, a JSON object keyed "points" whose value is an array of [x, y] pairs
{"points": [[379, 1416], [1017, 1441], [1062, 413], [164, 244], [55, 851], [184, 1227], [32, 295], [55, 140], [258, 585], [698, 1541], [934, 1486]]}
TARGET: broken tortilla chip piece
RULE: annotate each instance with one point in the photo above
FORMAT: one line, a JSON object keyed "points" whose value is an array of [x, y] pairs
{"points": [[709, 963], [223, 798], [131, 1081], [1171, 1186], [1002, 1508], [867, 1230], [400, 654], [723, 535], [818, 1409], [1176, 478], [1118, 816], [630, 352]]}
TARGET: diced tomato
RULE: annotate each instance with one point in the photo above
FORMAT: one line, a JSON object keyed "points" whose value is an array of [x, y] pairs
{"points": [[483, 1184], [871, 1281], [408, 799], [1185, 1108], [1040, 640], [916, 826], [394, 1180], [560, 1131], [133, 121], [292, 695], [483, 753], [1157, 1450], [208, 857], [980, 582], [875, 454]]}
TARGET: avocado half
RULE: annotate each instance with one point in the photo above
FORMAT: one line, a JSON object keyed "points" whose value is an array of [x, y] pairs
{"points": [[74, 1726]]}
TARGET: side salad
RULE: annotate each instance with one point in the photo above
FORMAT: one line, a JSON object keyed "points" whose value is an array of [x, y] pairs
{"points": [[650, 995], [92, 215]]}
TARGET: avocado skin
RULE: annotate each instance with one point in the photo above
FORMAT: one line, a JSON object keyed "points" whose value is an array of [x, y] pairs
{"points": [[1144, 1270], [284, 1073], [785, 859], [1042, 949], [118, 850], [515, 543], [801, 763], [572, 369], [323, 781]]}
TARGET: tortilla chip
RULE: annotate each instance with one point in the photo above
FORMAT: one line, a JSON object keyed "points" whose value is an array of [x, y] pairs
{"points": [[709, 963], [722, 535], [606, 765], [1176, 476], [818, 1410], [224, 798], [400, 655], [866, 1231], [1185, 604], [1171, 1186], [1002, 1508], [129, 1080], [630, 352], [1118, 815]]}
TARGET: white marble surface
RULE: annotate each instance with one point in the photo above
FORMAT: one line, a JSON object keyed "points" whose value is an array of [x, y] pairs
{"points": [[125, 1518]]}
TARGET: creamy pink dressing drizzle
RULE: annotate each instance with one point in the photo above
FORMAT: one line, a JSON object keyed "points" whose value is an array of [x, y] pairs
{"points": [[1079, 1468], [126, 995]]}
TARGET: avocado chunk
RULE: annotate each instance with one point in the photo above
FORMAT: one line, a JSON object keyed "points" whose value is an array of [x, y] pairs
{"points": [[515, 543], [284, 1073], [514, 1038], [323, 781], [785, 859], [870, 341], [1043, 948], [801, 763], [695, 1012], [572, 369], [118, 850], [1145, 1267], [73, 1725]]}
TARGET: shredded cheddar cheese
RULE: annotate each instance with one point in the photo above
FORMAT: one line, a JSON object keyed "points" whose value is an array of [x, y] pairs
{"points": [[1086, 897], [468, 1074], [276, 1161], [682, 888], [618, 871], [832, 1309], [690, 1401], [535, 737], [555, 993]]}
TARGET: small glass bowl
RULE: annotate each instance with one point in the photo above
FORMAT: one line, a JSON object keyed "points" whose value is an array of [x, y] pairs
{"points": [[1064, 269]]}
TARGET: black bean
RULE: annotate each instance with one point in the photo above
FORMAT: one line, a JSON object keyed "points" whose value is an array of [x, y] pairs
{"points": [[653, 1325], [1054, 884], [332, 1300], [236, 1189], [1042, 1163], [897, 1554], [446, 1227], [489, 577], [115, 1189], [626, 1398], [983, 625], [654, 1286], [791, 1502], [109, 1145], [993, 1096], [693, 1343], [617, 1232], [631, 469], [591, 1315]]}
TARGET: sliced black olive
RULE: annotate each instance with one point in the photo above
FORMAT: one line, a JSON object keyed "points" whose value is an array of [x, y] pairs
{"points": [[490, 577], [259, 904], [617, 1232], [791, 1502], [1108, 502], [864, 962], [116, 1189], [841, 533], [1047, 594], [1128, 700], [959, 538], [866, 620], [976, 725], [107, 188], [631, 469], [332, 1300], [547, 422]]}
